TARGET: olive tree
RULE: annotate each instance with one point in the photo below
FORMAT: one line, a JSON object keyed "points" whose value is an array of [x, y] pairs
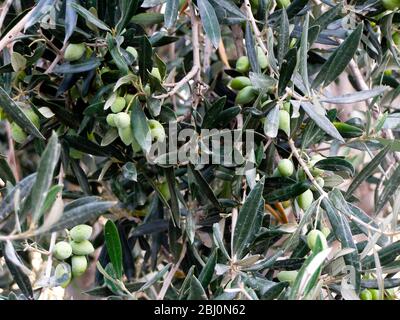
{"points": [[200, 149]]}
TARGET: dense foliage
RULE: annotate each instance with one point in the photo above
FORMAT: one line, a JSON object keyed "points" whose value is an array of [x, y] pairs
{"points": [[91, 89]]}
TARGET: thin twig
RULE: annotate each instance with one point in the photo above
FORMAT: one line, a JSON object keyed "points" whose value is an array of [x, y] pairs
{"points": [[195, 71], [12, 34], [4, 11], [171, 274]]}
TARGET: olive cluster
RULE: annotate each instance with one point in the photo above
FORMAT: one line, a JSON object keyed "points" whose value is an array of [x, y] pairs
{"points": [[18, 133], [312, 236], [76, 250], [121, 120], [286, 168], [246, 92]]}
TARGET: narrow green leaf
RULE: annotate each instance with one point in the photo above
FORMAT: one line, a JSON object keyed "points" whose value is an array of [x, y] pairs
{"points": [[89, 17], [335, 164], [303, 54], [367, 171], [70, 19], [339, 60], [287, 69], [84, 66], [321, 120], [210, 22], [145, 54], [114, 248], [140, 127], [17, 115], [284, 37], [207, 272], [6, 173], [287, 192], [196, 291], [44, 178], [391, 186], [78, 212], [247, 220], [251, 49], [171, 13]]}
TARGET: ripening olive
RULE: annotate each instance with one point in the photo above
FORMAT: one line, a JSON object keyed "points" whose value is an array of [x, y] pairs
{"points": [[305, 199], [284, 121], [240, 82], [122, 120], [388, 72], [262, 58], [243, 64], [126, 135], [74, 51], [81, 232], [79, 265], [63, 274], [111, 120], [283, 3], [17, 133], [246, 95], [286, 167], [365, 295], [82, 248], [391, 4], [287, 276], [312, 239], [157, 130], [118, 105], [133, 52], [62, 250]]}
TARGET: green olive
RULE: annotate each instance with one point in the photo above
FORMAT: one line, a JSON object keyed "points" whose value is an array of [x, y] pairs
{"points": [[118, 105], [388, 72], [305, 199], [82, 248], [283, 3], [287, 276], [111, 120], [314, 159], [391, 4], [157, 130], [17, 133], [365, 295], [126, 135], [374, 294], [79, 265], [133, 52], [246, 95], [62, 250], [129, 98], [312, 237], [262, 58], [240, 82], [396, 38], [243, 64], [122, 120], [74, 51], [81, 232], [286, 167], [63, 274], [284, 121]]}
